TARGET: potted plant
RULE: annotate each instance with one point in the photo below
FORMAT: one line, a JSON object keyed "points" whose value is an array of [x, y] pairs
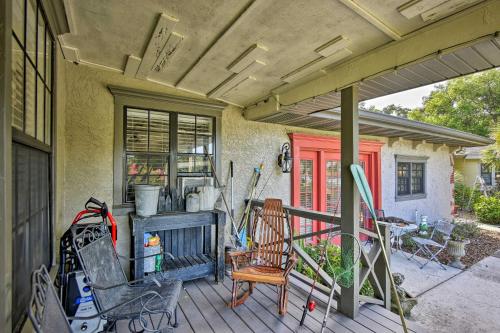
{"points": [[461, 235]]}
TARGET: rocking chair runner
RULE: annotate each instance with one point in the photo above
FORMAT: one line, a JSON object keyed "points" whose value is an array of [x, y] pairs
{"points": [[270, 258]]}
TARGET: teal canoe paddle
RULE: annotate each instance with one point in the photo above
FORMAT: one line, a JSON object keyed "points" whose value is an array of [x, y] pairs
{"points": [[366, 194]]}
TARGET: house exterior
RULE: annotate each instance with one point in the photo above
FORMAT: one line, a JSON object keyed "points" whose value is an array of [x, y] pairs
{"points": [[93, 103], [469, 166]]}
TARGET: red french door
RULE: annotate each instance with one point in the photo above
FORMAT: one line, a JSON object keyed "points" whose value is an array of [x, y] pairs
{"points": [[316, 180]]}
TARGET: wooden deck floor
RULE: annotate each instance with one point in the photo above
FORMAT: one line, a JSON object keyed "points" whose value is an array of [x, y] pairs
{"points": [[202, 308]]}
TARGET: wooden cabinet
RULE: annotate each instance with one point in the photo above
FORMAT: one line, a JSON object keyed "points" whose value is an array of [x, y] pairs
{"points": [[196, 240]]}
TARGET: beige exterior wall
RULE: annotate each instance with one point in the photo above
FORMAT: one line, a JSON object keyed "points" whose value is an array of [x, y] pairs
{"points": [[86, 134], [468, 169], [86, 137]]}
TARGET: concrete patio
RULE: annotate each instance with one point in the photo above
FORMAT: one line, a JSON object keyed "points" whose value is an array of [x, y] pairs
{"points": [[454, 300]]}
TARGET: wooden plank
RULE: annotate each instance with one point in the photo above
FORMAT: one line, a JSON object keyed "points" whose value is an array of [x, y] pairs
{"points": [[180, 242], [252, 319], [274, 324], [193, 315], [196, 239], [219, 246], [183, 324], [271, 306], [314, 323], [389, 324], [188, 235], [205, 307], [218, 303], [368, 323], [334, 314], [207, 239], [414, 327], [305, 213], [314, 319], [199, 240], [349, 207]]}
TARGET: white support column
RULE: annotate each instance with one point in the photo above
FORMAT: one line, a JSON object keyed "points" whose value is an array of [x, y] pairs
{"points": [[349, 300]]}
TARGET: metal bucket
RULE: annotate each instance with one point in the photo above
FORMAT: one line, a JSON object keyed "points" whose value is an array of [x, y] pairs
{"points": [[146, 199]]}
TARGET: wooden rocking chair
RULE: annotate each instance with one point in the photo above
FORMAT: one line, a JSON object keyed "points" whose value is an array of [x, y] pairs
{"points": [[270, 258]]}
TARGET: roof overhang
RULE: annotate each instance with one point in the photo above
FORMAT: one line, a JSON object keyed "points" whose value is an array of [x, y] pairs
{"points": [[383, 125], [461, 44]]}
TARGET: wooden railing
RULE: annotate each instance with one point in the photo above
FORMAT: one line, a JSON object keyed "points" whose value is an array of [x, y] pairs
{"points": [[372, 265]]}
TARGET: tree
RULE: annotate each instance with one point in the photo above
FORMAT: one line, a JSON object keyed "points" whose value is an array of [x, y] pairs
{"points": [[470, 103], [396, 110], [491, 155]]}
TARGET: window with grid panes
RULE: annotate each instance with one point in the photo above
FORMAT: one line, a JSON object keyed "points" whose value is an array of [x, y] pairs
{"points": [[148, 148], [410, 178], [32, 54], [486, 174]]}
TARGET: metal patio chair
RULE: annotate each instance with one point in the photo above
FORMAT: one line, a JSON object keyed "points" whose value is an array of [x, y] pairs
{"points": [[112, 290], [431, 246], [46, 311]]}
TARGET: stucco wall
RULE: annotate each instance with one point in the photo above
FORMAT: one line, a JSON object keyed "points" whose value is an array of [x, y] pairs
{"points": [[88, 145], [438, 188], [88, 134], [468, 169]]}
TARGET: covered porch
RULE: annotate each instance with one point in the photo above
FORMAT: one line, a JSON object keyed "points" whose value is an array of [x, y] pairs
{"points": [[90, 90]]}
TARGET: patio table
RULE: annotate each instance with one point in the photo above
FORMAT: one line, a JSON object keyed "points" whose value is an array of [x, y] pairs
{"points": [[398, 230]]}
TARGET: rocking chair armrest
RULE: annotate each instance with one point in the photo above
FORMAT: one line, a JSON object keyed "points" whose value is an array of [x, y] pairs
{"points": [[292, 261], [235, 257], [151, 293]]}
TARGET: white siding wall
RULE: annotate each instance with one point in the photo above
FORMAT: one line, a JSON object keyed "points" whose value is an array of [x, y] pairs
{"points": [[438, 188]]}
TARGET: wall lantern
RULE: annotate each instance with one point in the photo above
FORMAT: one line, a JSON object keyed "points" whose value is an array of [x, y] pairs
{"points": [[284, 159]]}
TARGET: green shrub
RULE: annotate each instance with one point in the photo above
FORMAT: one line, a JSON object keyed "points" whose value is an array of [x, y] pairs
{"points": [[463, 231], [463, 194], [335, 267], [488, 210]]}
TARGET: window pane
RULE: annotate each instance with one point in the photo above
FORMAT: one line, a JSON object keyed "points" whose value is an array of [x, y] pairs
{"points": [[185, 164], [137, 140], [48, 117], [417, 178], [41, 45], [137, 119], [137, 126], [48, 61], [159, 121], [158, 165], [17, 86], [185, 143], [30, 100], [137, 165], [159, 139], [204, 125], [333, 186], [31, 29], [306, 194], [202, 164], [40, 115], [18, 19], [203, 142], [403, 174], [186, 124]]}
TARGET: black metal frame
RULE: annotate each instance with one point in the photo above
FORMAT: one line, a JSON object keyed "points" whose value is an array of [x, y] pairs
{"points": [[151, 302], [173, 174]]}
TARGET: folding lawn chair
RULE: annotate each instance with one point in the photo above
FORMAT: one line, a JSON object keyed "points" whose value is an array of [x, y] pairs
{"points": [[431, 246], [111, 289]]}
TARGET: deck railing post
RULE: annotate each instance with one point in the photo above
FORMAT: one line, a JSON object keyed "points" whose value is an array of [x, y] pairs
{"points": [[379, 267], [349, 136]]}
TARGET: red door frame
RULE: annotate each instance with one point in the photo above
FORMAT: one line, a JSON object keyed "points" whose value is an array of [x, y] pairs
{"points": [[302, 143]]}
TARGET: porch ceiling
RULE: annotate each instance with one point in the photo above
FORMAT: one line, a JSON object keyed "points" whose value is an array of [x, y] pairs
{"points": [[242, 52]]}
